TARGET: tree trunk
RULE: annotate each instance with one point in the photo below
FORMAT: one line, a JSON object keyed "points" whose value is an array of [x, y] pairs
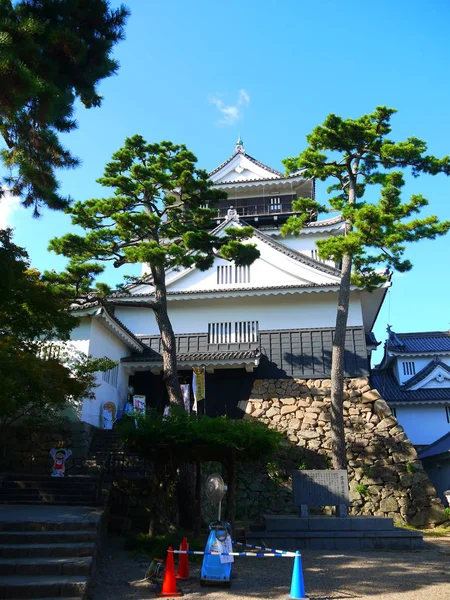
{"points": [[338, 447], [169, 349], [338, 450]]}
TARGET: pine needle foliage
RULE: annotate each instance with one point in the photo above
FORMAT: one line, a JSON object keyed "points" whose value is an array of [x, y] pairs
{"points": [[52, 52], [184, 434]]}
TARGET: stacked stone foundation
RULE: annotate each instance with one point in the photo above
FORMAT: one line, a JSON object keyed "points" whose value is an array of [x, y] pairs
{"points": [[385, 476]]}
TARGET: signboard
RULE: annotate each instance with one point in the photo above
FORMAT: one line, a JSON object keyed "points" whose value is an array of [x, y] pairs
{"points": [[186, 393], [139, 403], [198, 386], [320, 488]]}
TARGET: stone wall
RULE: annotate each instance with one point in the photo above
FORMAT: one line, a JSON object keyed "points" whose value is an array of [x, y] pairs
{"points": [[26, 449], [385, 476]]}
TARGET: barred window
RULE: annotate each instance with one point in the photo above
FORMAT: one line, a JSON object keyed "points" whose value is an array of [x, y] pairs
{"points": [[230, 333], [229, 274], [409, 368], [110, 376]]}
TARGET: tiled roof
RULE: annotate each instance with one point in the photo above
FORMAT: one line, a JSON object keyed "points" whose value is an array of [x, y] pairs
{"points": [[426, 371], [387, 385], [152, 356], [229, 290], [440, 446], [257, 180], [371, 340], [102, 304], [427, 341], [251, 159], [325, 222], [319, 266], [302, 353]]}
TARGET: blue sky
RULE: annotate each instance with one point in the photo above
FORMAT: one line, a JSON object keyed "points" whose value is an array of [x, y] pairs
{"points": [[202, 72]]}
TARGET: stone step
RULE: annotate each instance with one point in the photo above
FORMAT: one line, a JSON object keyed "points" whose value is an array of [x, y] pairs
{"points": [[16, 586], [69, 499], [46, 477], [66, 484], [46, 566], [57, 526], [77, 549], [47, 537]]}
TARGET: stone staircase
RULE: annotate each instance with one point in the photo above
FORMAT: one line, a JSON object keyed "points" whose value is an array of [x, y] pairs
{"points": [[47, 551], [20, 488], [78, 488], [50, 530], [103, 443]]}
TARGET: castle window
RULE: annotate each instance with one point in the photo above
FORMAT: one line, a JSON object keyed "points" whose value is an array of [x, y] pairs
{"points": [[275, 204], [233, 333], [242, 274], [394, 412], [447, 413], [227, 274], [409, 368], [110, 376]]}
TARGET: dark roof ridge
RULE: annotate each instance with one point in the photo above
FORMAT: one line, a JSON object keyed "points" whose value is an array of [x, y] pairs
{"points": [[424, 333], [310, 262], [113, 317], [438, 444], [387, 385], [234, 289], [253, 160]]}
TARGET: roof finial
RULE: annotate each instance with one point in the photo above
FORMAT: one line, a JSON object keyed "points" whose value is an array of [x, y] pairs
{"points": [[239, 145]]}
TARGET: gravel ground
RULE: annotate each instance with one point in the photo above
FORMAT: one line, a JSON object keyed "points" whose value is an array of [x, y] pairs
{"points": [[422, 575]]}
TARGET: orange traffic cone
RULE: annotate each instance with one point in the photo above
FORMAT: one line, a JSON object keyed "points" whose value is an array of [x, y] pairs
{"points": [[183, 563], [169, 586]]}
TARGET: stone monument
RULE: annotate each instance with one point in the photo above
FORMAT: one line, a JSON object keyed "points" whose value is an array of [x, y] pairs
{"points": [[326, 532], [321, 488]]}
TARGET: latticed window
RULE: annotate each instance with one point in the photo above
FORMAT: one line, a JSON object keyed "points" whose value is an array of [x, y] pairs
{"points": [[110, 376], [409, 368], [275, 204], [231, 274], [233, 333]]}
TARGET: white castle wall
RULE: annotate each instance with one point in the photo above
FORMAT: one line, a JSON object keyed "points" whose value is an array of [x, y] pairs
{"points": [[102, 343], [272, 312], [423, 424]]}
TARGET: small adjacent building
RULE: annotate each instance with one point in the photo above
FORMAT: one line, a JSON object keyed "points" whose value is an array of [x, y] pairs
{"points": [[414, 379], [436, 462]]}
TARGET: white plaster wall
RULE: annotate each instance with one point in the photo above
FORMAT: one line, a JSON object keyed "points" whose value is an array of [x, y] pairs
{"points": [[80, 336], [104, 343], [272, 312], [302, 243], [262, 272], [419, 363], [423, 424]]}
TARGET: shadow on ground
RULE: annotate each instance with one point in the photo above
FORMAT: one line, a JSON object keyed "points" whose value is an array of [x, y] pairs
{"points": [[421, 575]]}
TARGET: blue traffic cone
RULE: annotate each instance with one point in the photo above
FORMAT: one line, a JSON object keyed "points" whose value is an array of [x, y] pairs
{"points": [[297, 585]]}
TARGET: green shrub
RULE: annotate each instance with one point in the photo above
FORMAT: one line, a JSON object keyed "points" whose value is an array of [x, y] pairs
{"points": [[156, 546], [180, 433], [411, 468]]}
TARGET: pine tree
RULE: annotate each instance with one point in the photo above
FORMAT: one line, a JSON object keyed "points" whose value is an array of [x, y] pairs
{"points": [[52, 52], [356, 154], [156, 217]]}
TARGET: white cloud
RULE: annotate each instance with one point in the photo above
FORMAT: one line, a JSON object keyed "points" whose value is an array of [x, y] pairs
{"points": [[8, 206], [231, 113]]}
